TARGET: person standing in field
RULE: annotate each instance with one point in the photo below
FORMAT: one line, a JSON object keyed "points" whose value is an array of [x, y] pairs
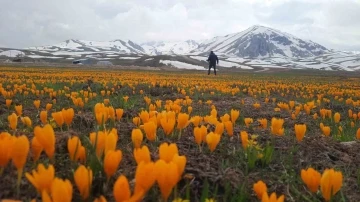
{"points": [[213, 60]]}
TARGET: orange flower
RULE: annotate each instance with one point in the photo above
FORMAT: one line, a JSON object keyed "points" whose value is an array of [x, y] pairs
{"points": [[26, 121], [196, 120], [337, 117], [126, 98], [292, 104], [311, 178], [144, 116], [168, 125], [111, 162], [18, 110], [150, 130], [121, 190], [83, 179], [300, 130], [263, 123], [168, 151], [212, 140], [145, 177], [182, 120], [260, 188], [119, 113], [229, 128], [200, 134], [180, 161], [136, 121], [68, 116], [256, 106], [112, 113], [330, 183], [99, 139], [82, 154], [358, 134], [213, 113], [190, 109], [244, 139], [315, 116], [19, 153], [166, 177], [100, 199], [101, 113], [248, 121], [46, 137], [225, 118], [37, 104], [326, 130], [58, 117], [110, 142], [219, 129], [277, 126], [136, 137], [13, 120], [122, 193], [74, 145], [61, 191], [43, 117], [42, 178], [273, 198], [48, 106], [350, 113], [8, 103], [36, 149], [142, 154], [6, 144]]}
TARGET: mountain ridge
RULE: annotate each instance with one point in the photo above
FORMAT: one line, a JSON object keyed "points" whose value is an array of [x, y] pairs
{"points": [[255, 42]]}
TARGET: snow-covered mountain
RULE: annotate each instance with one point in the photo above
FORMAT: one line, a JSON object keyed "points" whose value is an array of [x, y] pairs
{"points": [[255, 42], [170, 48], [260, 42], [73, 45], [120, 47]]}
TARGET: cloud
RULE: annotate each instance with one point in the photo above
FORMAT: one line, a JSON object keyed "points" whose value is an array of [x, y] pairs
{"points": [[26, 23]]}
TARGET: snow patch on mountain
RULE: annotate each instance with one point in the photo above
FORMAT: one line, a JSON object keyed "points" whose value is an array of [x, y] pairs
{"points": [[12, 53], [181, 65], [170, 48]]}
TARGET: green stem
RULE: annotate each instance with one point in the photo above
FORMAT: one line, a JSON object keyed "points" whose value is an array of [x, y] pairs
{"points": [[180, 131], [175, 192], [18, 182]]}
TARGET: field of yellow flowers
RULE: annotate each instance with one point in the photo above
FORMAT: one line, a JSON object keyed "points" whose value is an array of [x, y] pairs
{"points": [[109, 135]]}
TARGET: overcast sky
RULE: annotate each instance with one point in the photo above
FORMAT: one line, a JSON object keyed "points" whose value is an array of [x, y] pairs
{"points": [[23, 23]]}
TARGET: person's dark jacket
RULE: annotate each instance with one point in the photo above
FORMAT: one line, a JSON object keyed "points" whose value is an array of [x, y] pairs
{"points": [[213, 59]]}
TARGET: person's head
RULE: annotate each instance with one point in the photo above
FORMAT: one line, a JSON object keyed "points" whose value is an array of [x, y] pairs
{"points": [[211, 52]]}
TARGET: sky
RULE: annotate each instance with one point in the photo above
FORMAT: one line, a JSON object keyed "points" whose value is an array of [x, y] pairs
{"points": [[334, 24]]}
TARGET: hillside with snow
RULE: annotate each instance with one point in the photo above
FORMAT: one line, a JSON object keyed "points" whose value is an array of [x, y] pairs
{"points": [[170, 48], [260, 42], [82, 46], [257, 47]]}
